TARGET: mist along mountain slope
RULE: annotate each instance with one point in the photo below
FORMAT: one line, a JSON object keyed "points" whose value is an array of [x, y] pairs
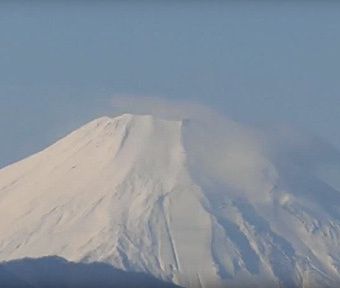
{"points": [[159, 196]]}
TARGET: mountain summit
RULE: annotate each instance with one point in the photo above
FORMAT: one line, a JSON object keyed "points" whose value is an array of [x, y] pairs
{"points": [[149, 195]]}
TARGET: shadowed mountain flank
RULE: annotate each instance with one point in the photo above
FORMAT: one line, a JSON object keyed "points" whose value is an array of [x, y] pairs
{"points": [[55, 272]]}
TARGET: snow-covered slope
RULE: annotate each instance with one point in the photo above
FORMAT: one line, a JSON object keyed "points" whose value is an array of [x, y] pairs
{"points": [[143, 194]]}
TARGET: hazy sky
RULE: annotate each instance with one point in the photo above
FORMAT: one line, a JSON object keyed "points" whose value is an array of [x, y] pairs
{"points": [[262, 63]]}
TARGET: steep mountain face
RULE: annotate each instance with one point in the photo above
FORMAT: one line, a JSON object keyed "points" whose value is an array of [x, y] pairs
{"points": [[143, 195]]}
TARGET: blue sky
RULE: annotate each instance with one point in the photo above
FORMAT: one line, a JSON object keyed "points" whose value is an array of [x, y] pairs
{"points": [[262, 63]]}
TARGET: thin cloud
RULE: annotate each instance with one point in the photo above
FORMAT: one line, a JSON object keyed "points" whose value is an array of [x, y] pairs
{"points": [[221, 150]]}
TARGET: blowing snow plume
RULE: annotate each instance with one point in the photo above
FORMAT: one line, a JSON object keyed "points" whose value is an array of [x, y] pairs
{"points": [[183, 194], [214, 135]]}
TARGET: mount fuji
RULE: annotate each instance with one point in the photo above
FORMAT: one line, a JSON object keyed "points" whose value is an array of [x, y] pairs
{"points": [[175, 200]]}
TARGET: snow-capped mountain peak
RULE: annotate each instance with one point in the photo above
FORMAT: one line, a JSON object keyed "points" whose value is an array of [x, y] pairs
{"points": [[141, 193]]}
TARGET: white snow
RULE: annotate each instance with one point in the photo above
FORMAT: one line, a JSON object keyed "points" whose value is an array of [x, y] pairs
{"points": [[154, 195]]}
